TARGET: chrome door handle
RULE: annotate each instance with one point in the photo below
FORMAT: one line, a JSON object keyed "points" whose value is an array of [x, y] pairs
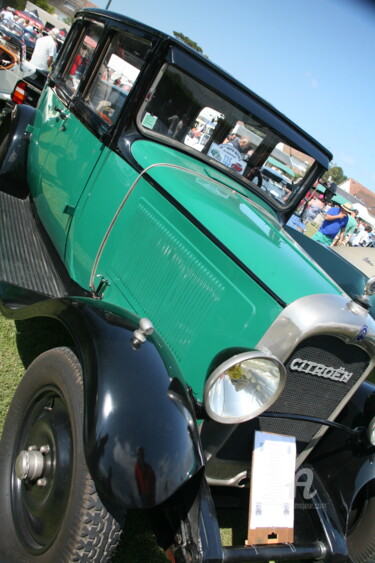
{"points": [[61, 113]]}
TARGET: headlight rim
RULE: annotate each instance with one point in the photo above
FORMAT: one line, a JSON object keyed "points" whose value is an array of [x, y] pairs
{"points": [[231, 362], [370, 431]]}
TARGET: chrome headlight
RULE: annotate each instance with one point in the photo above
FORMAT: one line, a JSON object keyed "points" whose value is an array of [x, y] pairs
{"points": [[243, 387], [371, 431]]}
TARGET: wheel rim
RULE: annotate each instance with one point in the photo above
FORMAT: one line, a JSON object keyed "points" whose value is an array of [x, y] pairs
{"points": [[39, 503]]}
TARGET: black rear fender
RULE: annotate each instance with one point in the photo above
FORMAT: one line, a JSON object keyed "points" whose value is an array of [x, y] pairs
{"points": [[13, 148]]}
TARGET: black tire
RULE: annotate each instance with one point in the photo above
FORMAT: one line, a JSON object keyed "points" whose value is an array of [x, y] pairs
{"points": [[61, 519], [361, 530]]}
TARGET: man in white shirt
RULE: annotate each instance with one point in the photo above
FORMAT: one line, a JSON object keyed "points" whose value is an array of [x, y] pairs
{"points": [[45, 50], [7, 15]]}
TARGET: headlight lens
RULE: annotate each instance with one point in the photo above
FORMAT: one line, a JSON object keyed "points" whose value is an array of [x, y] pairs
{"points": [[243, 387], [371, 431]]}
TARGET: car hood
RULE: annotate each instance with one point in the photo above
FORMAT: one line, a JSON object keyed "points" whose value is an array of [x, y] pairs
{"points": [[243, 225]]}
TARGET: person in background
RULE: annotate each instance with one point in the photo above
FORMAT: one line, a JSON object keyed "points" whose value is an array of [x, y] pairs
{"points": [[6, 15], [314, 206], [362, 238], [334, 223], [349, 229], [45, 50], [28, 26]]}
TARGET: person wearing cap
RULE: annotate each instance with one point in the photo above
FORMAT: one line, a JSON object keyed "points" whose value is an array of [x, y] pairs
{"points": [[350, 228], [45, 50], [334, 224]]}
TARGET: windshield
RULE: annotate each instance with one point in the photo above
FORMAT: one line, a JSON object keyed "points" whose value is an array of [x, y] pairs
{"points": [[183, 111], [13, 27]]}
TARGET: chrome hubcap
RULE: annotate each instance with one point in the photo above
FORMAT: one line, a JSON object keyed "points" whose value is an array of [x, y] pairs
{"points": [[30, 464]]}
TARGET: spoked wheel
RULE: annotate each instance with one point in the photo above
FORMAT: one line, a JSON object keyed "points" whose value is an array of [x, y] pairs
{"points": [[361, 526], [50, 510]]}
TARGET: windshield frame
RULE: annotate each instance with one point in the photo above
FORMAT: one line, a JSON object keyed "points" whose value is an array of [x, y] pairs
{"points": [[209, 76]]}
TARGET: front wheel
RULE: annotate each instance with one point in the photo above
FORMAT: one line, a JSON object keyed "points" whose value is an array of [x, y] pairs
{"points": [[50, 511]]}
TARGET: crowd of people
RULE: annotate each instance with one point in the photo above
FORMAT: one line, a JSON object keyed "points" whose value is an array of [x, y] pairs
{"points": [[45, 49], [8, 15], [338, 224]]}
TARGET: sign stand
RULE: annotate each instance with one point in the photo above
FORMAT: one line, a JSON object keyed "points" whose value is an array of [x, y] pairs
{"points": [[271, 509]]}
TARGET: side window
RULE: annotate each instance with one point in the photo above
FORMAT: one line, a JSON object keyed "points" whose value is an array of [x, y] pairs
{"points": [[120, 65], [81, 57]]}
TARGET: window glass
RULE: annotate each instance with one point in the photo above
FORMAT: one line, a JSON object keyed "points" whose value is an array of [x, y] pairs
{"points": [[81, 57], [116, 75], [183, 111]]}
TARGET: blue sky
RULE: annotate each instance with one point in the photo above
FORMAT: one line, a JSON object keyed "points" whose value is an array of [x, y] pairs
{"points": [[313, 60]]}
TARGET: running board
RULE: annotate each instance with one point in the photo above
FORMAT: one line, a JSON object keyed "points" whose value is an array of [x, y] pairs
{"points": [[27, 258]]}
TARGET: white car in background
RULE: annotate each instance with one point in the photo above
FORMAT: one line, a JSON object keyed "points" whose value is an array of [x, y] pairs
{"points": [[13, 67]]}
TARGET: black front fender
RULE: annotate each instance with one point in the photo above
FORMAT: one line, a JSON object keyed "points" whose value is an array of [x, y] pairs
{"points": [[141, 437], [140, 432]]}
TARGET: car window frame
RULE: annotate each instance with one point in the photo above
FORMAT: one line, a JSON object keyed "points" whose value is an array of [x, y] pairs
{"points": [[76, 104]]}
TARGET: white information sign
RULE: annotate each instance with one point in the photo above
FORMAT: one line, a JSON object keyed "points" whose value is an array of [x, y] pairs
{"points": [[272, 481], [228, 155]]}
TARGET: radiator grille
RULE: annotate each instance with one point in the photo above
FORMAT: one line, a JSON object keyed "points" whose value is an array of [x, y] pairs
{"points": [[311, 395]]}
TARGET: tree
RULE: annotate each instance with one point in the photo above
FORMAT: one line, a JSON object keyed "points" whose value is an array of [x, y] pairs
{"points": [[188, 41], [336, 174], [20, 5], [43, 4], [16, 4], [69, 20]]}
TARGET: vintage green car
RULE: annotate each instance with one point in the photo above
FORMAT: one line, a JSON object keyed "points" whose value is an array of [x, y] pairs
{"points": [[192, 324]]}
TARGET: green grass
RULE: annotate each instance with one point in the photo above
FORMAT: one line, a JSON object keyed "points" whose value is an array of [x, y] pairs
{"points": [[11, 367]]}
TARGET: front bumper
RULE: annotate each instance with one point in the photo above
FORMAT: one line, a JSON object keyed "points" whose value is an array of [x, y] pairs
{"points": [[318, 534]]}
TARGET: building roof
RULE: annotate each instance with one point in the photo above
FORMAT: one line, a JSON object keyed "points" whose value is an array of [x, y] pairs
{"points": [[361, 194]]}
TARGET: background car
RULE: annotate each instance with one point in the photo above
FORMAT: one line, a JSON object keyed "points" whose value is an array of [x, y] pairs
{"points": [[13, 67], [11, 34], [275, 183]]}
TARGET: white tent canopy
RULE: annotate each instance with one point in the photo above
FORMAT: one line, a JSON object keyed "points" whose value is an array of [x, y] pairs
{"points": [[364, 214]]}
